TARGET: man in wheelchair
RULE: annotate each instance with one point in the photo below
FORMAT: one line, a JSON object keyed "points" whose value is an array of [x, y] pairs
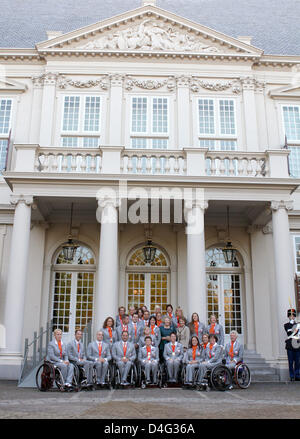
{"points": [[234, 351], [212, 356], [173, 356], [77, 356], [124, 354], [99, 353], [149, 358], [58, 356]]}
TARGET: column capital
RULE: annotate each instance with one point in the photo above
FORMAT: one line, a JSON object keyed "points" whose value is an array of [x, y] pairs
{"points": [[116, 79], [104, 202], [282, 204], [26, 199], [190, 204]]}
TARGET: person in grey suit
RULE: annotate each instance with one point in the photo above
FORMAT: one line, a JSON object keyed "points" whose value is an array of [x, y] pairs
{"points": [[123, 352], [146, 331], [171, 316], [183, 334], [215, 328], [57, 354], [136, 329], [196, 327], [154, 330], [109, 334], [234, 351], [119, 317], [173, 355], [192, 358], [149, 358], [213, 355], [125, 326], [76, 353], [99, 353]]}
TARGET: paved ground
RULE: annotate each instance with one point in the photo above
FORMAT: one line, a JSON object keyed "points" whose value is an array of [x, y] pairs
{"points": [[260, 401]]}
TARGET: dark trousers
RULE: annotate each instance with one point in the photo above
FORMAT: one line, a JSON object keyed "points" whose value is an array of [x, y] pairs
{"points": [[294, 363]]}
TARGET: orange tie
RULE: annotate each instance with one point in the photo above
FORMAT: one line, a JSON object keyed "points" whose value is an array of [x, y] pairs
{"points": [[212, 328], [135, 329], [125, 349], [210, 348], [100, 349], [231, 350], [194, 352], [78, 348], [60, 348]]}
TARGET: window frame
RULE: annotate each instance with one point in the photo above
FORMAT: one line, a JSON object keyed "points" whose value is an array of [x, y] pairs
{"points": [[4, 136], [288, 104]]}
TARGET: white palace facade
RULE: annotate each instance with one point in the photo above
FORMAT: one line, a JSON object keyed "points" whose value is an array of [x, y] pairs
{"points": [[148, 103]]}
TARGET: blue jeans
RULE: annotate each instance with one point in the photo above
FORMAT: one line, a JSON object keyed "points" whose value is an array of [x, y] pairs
{"points": [[294, 363]]}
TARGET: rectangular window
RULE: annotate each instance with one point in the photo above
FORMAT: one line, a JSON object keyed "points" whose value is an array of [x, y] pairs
{"points": [[149, 122], [297, 251], [81, 124], [217, 126], [5, 125], [291, 118]]}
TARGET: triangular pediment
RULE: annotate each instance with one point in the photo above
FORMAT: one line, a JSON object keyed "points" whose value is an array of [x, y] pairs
{"points": [[290, 91], [9, 85], [148, 29]]}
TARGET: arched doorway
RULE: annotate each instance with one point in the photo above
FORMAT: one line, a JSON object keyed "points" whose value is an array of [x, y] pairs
{"points": [[73, 291], [148, 284], [224, 291]]}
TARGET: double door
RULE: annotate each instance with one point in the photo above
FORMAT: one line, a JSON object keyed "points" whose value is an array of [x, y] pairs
{"points": [[148, 289]]}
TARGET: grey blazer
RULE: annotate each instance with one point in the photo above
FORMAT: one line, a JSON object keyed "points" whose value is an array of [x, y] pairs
{"points": [[53, 352], [157, 335], [139, 332], [174, 322], [93, 351], [73, 353], [168, 352], [201, 331], [183, 336], [215, 355], [143, 353], [219, 331], [106, 337], [238, 351], [188, 356], [130, 332], [118, 353], [142, 343]]}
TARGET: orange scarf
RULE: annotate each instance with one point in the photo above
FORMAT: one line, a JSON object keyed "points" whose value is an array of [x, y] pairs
{"points": [[231, 350], [152, 329], [212, 328], [194, 352], [196, 326], [60, 348], [204, 345], [110, 332], [159, 322], [173, 347], [148, 351], [210, 348]]}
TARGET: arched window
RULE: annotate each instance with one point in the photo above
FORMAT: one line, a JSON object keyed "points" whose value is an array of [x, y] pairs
{"points": [[147, 284], [224, 290], [73, 290]]}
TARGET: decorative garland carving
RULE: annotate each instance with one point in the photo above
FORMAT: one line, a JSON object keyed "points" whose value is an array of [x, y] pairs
{"points": [[196, 84], [149, 84], [64, 82]]}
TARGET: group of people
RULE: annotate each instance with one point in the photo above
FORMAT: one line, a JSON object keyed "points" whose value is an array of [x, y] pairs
{"points": [[148, 339]]}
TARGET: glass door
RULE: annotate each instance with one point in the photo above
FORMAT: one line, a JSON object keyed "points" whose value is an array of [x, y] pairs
{"points": [[148, 289]]}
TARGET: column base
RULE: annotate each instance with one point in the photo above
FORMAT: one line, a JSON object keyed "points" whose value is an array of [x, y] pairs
{"points": [[281, 367], [10, 366]]}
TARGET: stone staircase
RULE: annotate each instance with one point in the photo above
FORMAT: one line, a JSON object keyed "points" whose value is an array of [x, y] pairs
{"points": [[259, 368]]}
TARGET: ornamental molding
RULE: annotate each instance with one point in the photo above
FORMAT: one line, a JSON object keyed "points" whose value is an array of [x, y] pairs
{"points": [[48, 78], [251, 83], [196, 84], [150, 84], [287, 205], [151, 35], [65, 82]]}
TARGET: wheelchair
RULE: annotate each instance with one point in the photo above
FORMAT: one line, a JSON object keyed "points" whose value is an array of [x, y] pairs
{"points": [[218, 378], [109, 377], [194, 384], [48, 374], [80, 378], [141, 377], [241, 375], [165, 378], [133, 376]]}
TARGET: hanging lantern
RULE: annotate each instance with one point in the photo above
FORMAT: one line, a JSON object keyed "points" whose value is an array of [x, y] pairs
{"points": [[229, 252], [69, 248], [213, 277], [149, 252]]}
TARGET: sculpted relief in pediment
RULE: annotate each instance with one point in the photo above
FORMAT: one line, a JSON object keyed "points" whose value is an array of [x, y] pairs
{"points": [[150, 35]]}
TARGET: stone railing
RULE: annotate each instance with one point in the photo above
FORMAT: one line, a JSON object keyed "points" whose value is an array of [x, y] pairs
{"points": [[145, 161], [116, 160]]}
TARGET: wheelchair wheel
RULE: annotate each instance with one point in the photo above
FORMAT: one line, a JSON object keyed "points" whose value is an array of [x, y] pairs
{"points": [[221, 378], [59, 380], [76, 376], [242, 376], [44, 377], [134, 376]]}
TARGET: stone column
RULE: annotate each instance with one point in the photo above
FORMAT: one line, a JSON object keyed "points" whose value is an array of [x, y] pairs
{"points": [[196, 266], [107, 284], [183, 112], [283, 260], [115, 110], [36, 105], [17, 276], [250, 114], [48, 108]]}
